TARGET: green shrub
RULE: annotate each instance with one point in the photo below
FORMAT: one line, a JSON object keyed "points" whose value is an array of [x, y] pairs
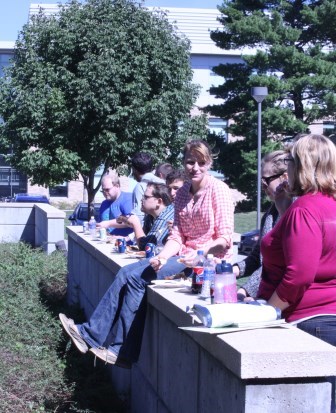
{"points": [[39, 370]]}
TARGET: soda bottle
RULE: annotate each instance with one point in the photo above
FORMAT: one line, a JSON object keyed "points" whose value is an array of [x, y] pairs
{"points": [[230, 283], [197, 274], [208, 277], [92, 228]]}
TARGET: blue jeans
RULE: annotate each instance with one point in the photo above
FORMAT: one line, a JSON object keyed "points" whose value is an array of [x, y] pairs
{"points": [[324, 328], [118, 321]]}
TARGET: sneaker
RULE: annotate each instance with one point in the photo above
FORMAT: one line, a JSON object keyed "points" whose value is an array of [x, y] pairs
{"points": [[72, 330], [110, 358]]}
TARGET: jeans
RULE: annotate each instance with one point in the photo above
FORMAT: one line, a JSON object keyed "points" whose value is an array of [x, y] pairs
{"points": [[324, 328], [118, 321]]}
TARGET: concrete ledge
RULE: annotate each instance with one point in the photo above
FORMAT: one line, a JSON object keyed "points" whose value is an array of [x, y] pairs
{"points": [[40, 225], [249, 371], [264, 353]]}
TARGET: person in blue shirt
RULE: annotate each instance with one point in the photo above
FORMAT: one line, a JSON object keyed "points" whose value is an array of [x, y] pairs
{"points": [[116, 203]]}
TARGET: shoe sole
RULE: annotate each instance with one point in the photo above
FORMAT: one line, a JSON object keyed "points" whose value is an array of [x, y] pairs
{"points": [[73, 334], [116, 361]]}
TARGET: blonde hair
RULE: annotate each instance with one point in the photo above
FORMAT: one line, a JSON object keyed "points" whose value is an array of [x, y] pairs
{"points": [[314, 165], [200, 147], [276, 161]]}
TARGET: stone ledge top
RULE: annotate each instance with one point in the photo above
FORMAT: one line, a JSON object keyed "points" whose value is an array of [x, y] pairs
{"points": [[252, 354], [49, 210]]}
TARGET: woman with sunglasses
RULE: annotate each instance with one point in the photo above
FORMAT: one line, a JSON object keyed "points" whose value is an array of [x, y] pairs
{"points": [[203, 220], [274, 181], [299, 254]]}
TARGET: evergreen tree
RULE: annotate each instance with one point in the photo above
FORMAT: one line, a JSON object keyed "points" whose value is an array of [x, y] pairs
{"points": [[288, 46], [91, 86]]}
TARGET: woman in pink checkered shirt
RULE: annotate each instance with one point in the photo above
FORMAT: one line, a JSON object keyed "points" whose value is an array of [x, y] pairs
{"points": [[203, 211]]}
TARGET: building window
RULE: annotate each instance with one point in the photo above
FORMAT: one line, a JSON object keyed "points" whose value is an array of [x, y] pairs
{"points": [[218, 127], [59, 190], [4, 62]]}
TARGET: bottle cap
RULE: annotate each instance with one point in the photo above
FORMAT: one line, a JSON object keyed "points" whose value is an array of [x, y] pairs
{"points": [[219, 269], [200, 252], [226, 267]]}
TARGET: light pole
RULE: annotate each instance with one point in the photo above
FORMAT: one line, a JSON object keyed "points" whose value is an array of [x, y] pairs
{"points": [[259, 93]]}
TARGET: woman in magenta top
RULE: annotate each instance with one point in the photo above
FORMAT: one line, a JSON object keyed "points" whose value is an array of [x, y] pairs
{"points": [[299, 267]]}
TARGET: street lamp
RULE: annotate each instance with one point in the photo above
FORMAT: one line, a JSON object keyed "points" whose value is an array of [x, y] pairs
{"points": [[259, 93]]}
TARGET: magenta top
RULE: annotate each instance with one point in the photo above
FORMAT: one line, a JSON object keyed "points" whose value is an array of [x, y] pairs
{"points": [[299, 258]]}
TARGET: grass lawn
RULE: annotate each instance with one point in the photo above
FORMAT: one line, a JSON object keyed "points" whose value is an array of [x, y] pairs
{"points": [[245, 221]]}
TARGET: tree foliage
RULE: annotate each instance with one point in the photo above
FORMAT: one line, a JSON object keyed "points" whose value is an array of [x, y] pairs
{"points": [[91, 86], [288, 46]]}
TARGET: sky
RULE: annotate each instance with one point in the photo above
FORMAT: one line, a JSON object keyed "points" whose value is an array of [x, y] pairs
{"points": [[14, 13]]}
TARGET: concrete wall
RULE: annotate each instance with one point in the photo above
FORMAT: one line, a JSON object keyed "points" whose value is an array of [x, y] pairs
{"points": [[268, 370], [40, 225]]}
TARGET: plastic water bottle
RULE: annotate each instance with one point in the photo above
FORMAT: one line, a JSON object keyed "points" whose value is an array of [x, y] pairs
{"points": [[208, 277], [230, 283], [219, 285], [197, 274], [92, 228]]}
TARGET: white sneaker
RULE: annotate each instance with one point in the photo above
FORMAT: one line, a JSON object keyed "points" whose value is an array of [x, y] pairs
{"points": [[72, 330]]}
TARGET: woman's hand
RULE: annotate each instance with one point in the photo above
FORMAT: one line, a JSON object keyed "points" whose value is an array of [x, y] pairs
{"points": [[188, 260]]}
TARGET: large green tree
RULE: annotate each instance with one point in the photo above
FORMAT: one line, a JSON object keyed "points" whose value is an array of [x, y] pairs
{"points": [[92, 85], [288, 46]]}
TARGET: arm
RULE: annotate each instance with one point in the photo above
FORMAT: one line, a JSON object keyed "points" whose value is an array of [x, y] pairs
{"points": [[112, 223], [223, 210], [134, 222], [170, 249], [301, 239], [138, 192], [275, 301]]}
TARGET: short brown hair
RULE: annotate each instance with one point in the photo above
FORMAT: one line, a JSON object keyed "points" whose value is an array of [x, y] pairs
{"points": [[160, 191]]}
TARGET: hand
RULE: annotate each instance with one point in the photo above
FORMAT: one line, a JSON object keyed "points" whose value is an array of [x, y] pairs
{"points": [[103, 224], [188, 260], [157, 263], [126, 219], [235, 270], [283, 187], [170, 224]]}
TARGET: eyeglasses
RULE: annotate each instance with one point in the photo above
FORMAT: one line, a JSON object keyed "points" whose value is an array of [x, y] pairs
{"points": [[266, 180], [148, 196], [287, 160], [106, 189]]}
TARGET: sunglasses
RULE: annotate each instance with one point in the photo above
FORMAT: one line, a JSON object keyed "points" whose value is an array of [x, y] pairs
{"points": [[266, 180], [287, 160]]}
